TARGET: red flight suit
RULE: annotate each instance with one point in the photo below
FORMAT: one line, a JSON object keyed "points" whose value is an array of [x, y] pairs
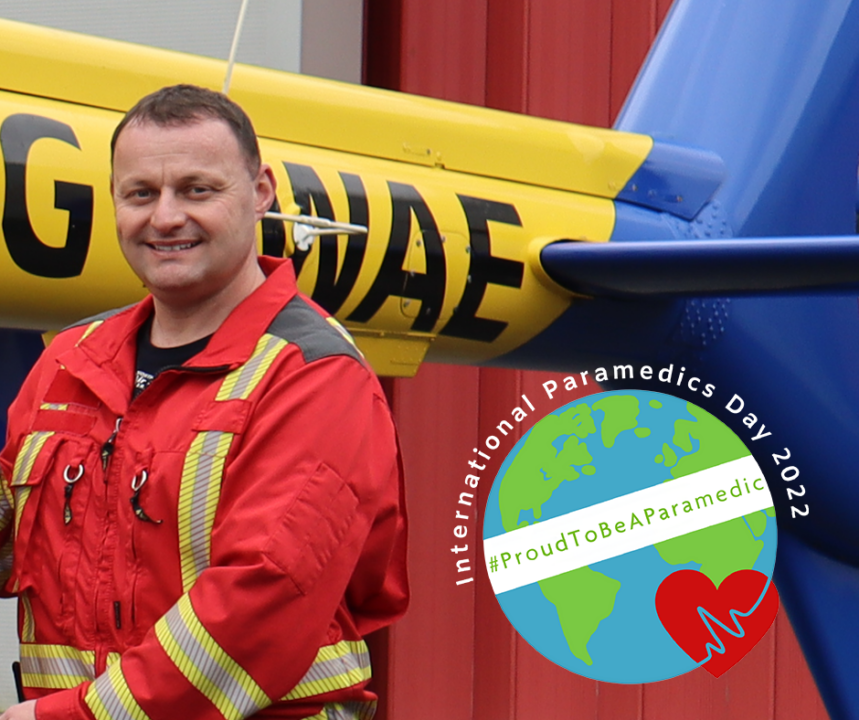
{"points": [[217, 547]]}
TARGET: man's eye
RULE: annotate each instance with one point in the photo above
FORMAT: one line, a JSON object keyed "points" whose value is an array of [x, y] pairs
{"points": [[141, 194], [199, 190]]}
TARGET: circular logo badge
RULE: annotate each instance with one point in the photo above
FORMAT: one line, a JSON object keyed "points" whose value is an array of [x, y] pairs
{"points": [[630, 537]]}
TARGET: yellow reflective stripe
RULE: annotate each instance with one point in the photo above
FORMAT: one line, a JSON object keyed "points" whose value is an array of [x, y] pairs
{"points": [[92, 326], [23, 467], [205, 664], [336, 667], [241, 382], [21, 501], [198, 501], [27, 456], [112, 658], [28, 632], [55, 667], [204, 465], [54, 406], [110, 698], [353, 710]]}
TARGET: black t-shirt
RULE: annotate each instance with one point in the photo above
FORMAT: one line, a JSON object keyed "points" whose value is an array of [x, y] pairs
{"points": [[152, 360]]}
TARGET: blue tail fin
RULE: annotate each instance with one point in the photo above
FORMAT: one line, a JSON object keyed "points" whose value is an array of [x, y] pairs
{"points": [[771, 86]]}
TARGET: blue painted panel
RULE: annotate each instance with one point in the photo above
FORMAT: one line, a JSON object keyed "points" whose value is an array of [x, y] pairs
{"points": [[675, 179]]}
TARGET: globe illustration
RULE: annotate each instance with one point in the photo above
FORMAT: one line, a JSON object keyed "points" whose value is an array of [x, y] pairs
{"points": [[600, 620]]}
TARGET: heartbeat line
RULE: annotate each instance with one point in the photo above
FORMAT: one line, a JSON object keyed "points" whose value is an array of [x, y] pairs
{"points": [[737, 631]]}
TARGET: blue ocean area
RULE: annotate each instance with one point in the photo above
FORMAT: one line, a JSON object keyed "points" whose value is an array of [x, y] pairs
{"points": [[630, 639]]}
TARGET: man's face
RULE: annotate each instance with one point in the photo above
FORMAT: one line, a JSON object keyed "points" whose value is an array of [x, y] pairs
{"points": [[186, 210]]}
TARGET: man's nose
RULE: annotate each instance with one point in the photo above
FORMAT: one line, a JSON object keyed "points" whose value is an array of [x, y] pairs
{"points": [[167, 215]]}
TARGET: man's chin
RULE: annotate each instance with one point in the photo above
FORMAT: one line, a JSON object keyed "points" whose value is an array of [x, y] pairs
{"points": [[176, 291]]}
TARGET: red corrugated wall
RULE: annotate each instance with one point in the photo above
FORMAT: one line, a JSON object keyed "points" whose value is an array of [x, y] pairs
{"points": [[455, 656]]}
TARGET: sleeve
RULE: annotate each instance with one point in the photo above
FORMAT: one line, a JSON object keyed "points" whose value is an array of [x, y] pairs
{"points": [[17, 419], [313, 492]]}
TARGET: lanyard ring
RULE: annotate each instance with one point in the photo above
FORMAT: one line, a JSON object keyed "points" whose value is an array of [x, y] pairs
{"points": [[137, 484], [72, 480]]}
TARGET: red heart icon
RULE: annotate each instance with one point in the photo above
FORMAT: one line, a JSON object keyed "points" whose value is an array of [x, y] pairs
{"points": [[682, 593]]}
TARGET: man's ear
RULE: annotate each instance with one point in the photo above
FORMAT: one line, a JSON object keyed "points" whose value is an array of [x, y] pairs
{"points": [[265, 186]]}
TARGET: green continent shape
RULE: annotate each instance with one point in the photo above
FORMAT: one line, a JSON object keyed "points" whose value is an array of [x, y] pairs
{"points": [[716, 443], [719, 549], [727, 547], [538, 468], [757, 522], [583, 599], [670, 455], [621, 413]]}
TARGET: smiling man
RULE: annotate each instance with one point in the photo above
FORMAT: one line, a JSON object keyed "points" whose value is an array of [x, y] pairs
{"points": [[201, 505]]}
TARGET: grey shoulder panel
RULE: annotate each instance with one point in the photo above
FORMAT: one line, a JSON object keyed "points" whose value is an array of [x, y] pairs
{"points": [[95, 318], [300, 324]]}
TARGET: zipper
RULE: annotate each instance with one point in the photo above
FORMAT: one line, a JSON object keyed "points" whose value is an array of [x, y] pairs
{"points": [[110, 445], [180, 368], [108, 448]]}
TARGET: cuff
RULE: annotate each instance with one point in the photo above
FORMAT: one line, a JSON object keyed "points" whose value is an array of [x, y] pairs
{"points": [[63, 705]]}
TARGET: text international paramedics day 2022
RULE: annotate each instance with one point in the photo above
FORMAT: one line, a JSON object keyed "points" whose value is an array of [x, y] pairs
{"points": [[668, 377]]}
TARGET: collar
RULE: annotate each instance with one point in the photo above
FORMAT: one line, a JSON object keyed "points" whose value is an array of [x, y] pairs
{"points": [[105, 359], [234, 342]]}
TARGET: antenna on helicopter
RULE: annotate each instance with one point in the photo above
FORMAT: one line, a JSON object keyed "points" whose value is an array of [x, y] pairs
{"points": [[308, 227], [236, 35]]}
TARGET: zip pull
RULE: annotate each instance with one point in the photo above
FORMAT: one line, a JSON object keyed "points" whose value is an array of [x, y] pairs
{"points": [[108, 448], [70, 486], [137, 483]]}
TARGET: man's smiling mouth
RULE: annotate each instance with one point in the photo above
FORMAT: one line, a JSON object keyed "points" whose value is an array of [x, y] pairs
{"points": [[173, 247]]}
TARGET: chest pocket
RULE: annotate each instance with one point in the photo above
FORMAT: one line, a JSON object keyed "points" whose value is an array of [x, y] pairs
{"points": [[52, 487], [32, 464]]}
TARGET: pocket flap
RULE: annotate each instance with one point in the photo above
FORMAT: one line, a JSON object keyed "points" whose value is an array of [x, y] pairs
{"points": [[225, 415], [313, 527], [34, 458]]}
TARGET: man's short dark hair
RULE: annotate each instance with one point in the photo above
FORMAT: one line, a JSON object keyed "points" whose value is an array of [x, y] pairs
{"points": [[187, 104]]}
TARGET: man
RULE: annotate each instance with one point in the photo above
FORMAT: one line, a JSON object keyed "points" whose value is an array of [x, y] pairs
{"points": [[202, 493]]}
